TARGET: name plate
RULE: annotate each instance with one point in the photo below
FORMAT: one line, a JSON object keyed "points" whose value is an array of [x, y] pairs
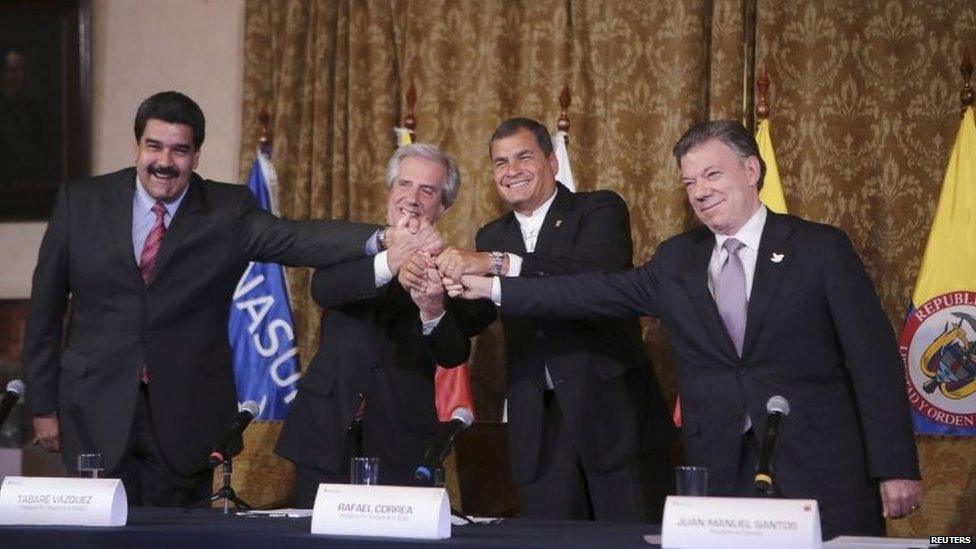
{"points": [[740, 523], [384, 511], [63, 501]]}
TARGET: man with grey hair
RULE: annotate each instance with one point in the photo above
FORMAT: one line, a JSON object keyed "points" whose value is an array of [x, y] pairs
{"points": [[757, 304], [381, 344]]}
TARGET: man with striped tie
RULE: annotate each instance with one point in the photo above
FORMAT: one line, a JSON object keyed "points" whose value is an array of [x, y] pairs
{"points": [[149, 257]]}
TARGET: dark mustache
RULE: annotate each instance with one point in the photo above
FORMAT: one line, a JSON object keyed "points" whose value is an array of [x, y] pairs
{"points": [[162, 171]]}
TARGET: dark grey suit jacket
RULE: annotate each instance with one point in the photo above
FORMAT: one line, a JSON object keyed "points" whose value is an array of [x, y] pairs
{"points": [[177, 324], [372, 345]]}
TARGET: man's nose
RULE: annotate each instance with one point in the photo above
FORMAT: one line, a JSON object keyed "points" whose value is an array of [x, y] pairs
{"points": [[165, 157]]}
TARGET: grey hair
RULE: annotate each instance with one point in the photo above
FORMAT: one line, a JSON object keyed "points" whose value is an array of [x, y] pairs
{"points": [[730, 132], [452, 178]]}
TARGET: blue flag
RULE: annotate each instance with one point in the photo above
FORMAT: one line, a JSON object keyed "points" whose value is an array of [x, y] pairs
{"points": [[262, 333]]}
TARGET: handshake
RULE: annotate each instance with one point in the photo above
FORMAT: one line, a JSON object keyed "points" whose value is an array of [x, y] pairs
{"points": [[417, 257]]}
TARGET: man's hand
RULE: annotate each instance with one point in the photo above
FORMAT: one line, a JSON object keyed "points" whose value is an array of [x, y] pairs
{"points": [[401, 243], [430, 299], [900, 497], [470, 287], [454, 263], [413, 272], [47, 432]]}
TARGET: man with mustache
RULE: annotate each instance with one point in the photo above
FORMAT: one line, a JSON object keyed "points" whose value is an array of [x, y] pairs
{"points": [[149, 257], [757, 304], [588, 427], [380, 346]]}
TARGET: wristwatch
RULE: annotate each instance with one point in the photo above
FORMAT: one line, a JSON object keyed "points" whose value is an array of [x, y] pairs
{"points": [[497, 262], [381, 238]]}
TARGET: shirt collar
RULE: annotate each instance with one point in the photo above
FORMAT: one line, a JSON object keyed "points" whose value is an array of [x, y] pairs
{"points": [[146, 202], [749, 234], [536, 217]]}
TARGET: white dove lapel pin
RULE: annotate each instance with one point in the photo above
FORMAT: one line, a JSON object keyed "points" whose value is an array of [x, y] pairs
{"points": [[777, 258]]}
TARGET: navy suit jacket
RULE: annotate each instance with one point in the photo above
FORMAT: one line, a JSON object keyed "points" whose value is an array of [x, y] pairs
{"points": [[608, 395], [815, 334]]}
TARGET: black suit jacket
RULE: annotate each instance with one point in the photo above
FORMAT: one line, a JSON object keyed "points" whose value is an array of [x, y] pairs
{"points": [[177, 324], [815, 334], [608, 395], [372, 345]]}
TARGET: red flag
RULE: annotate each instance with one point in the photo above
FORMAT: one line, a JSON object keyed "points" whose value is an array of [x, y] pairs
{"points": [[451, 391]]}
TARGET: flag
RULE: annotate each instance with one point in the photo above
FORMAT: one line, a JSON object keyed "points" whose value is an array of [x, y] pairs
{"points": [[938, 341], [452, 387], [262, 334], [772, 191], [565, 173]]}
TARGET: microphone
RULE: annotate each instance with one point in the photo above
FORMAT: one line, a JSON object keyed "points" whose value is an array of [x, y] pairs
{"points": [[355, 430], [461, 419], [15, 389], [777, 408], [223, 449]]}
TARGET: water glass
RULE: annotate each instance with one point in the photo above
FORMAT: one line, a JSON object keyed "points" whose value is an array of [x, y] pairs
{"points": [[364, 470], [691, 481], [90, 465]]}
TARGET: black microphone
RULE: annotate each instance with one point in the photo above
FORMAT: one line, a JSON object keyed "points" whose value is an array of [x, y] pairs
{"points": [[355, 430], [224, 449], [777, 408], [15, 389], [461, 419]]}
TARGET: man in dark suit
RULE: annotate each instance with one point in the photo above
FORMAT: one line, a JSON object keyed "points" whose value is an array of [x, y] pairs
{"points": [[380, 347], [758, 304], [588, 427], [150, 258]]}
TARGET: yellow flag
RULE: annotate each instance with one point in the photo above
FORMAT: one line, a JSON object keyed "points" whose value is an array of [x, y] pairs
{"points": [[404, 137], [772, 192], [938, 341], [949, 262]]}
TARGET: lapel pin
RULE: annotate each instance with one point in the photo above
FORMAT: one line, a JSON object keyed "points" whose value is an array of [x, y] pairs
{"points": [[558, 223], [777, 258]]}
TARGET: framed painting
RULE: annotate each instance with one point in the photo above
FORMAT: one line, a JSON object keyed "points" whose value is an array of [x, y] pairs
{"points": [[45, 102]]}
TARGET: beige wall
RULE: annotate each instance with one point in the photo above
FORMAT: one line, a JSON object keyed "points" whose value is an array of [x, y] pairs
{"points": [[138, 48]]}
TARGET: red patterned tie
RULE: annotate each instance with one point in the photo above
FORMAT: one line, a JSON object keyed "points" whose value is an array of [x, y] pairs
{"points": [[147, 260]]}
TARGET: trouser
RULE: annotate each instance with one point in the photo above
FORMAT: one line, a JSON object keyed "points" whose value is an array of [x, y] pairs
{"points": [[564, 489], [148, 479]]}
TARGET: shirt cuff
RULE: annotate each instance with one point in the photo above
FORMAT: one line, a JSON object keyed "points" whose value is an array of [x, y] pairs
{"points": [[373, 244], [496, 291], [381, 269], [514, 265], [427, 326]]}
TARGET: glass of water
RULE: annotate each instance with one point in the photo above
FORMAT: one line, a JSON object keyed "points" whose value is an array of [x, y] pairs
{"points": [[90, 465]]}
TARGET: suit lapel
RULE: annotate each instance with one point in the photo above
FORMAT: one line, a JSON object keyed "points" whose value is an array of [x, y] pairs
{"points": [[696, 283], [120, 215], [512, 240], [768, 274], [554, 218], [186, 217]]}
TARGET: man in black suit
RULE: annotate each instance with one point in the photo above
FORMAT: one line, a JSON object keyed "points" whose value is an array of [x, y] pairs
{"points": [[588, 427], [150, 257], [380, 346], [758, 304]]}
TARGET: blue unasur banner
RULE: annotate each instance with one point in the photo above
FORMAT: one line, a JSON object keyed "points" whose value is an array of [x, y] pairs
{"points": [[262, 334]]}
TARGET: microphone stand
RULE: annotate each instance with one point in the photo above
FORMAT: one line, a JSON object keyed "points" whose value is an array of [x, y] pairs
{"points": [[226, 492]]}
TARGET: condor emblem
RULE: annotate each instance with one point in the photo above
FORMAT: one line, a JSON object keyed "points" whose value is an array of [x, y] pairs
{"points": [[938, 347]]}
